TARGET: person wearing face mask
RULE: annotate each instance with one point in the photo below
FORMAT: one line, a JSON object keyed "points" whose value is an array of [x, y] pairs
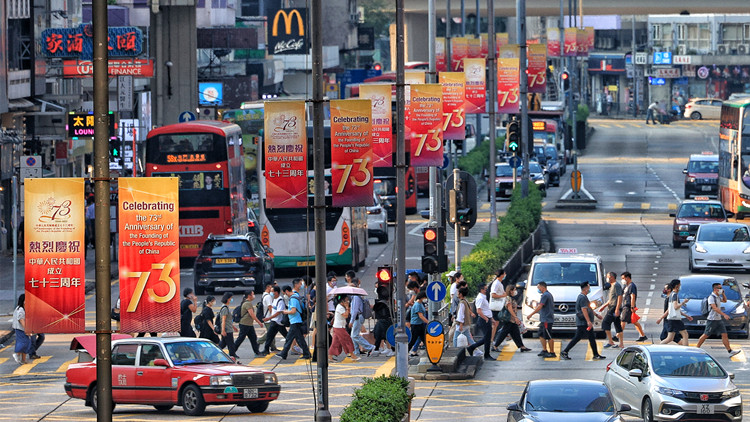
{"points": [[227, 326], [546, 310], [418, 323], [584, 324]]}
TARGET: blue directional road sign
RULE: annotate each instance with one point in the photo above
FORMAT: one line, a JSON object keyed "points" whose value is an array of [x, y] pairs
{"points": [[515, 161], [435, 328], [390, 335], [436, 291], [187, 116], [446, 161]]}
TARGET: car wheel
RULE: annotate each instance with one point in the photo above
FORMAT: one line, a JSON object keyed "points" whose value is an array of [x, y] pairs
{"points": [[163, 407], [695, 115], [647, 412], [676, 244], [690, 266], [258, 407], [94, 399], [192, 401], [384, 238]]}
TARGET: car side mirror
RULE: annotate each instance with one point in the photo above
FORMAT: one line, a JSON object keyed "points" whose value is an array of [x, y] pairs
{"points": [[671, 214], [514, 407], [730, 214], [636, 373], [161, 362], [731, 375], [690, 238], [624, 408], [684, 171], [746, 285]]}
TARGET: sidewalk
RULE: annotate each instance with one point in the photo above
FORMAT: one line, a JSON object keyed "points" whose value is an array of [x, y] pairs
{"points": [[8, 301]]}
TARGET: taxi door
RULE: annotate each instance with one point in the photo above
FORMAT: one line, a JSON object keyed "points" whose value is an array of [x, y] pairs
{"points": [[154, 383], [123, 373]]}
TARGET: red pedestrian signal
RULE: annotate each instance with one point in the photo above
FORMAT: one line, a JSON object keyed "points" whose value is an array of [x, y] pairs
{"points": [[384, 274], [434, 259]]}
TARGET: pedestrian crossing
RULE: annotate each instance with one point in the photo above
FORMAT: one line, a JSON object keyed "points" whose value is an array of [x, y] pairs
{"points": [[631, 124]]}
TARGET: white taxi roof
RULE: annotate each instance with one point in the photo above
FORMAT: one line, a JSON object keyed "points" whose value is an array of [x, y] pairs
{"points": [[568, 257]]}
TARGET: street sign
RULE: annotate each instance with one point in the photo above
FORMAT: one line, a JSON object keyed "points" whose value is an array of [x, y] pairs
{"points": [[390, 335], [515, 161], [436, 291], [31, 166], [446, 161], [435, 341], [187, 116]]}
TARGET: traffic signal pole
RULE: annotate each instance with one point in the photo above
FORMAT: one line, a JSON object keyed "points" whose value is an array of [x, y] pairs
{"points": [[492, 88], [456, 225], [435, 202], [523, 90]]}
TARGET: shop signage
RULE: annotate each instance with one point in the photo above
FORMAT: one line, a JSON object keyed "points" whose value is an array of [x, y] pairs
{"points": [[123, 41], [667, 73]]}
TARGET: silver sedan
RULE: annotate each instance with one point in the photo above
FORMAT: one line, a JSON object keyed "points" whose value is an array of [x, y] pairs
{"points": [[720, 246], [669, 383]]}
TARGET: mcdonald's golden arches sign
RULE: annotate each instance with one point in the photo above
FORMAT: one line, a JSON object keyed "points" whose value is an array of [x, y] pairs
{"points": [[288, 31]]}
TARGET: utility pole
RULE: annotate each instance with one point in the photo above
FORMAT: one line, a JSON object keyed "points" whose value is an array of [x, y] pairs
{"points": [[435, 202], [523, 89], [322, 412], [635, 68], [456, 225], [101, 208], [448, 43], [492, 88]]}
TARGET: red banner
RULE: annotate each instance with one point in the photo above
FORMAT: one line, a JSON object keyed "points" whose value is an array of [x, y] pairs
{"points": [[485, 45], [454, 120], [149, 254], [476, 86], [440, 54], [285, 149], [581, 43], [501, 39], [507, 85], [411, 77], [537, 67], [382, 135], [571, 38], [54, 255], [425, 122], [589, 30], [460, 50], [553, 42], [351, 152], [509, 51], [475, 48], [139, 68]]}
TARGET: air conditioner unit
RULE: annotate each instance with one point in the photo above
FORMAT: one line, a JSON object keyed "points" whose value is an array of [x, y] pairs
{"points": [[682, 50], [743, 49], [722, 49]]}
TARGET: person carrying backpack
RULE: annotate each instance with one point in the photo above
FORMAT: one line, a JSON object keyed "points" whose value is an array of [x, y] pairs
{"points": [[246, 324], [274, 318], [356, 322], [296, 321], [225, 326], [714, 323], [265, 308]]}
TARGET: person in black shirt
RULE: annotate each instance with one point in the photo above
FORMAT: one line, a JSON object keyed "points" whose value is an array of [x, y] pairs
{"points": [[206, 330], [584, 324], [187, 307], [629, 296]]}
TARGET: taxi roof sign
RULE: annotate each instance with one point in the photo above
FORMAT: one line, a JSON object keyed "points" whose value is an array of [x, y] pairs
{"points": [[567, 250], [708, 153], [701, 198]]}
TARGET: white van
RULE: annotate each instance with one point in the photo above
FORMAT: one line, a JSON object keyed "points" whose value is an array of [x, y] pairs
{"points": [[564, 273]]}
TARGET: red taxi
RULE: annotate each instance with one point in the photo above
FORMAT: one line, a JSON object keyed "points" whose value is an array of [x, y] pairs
{"points": [[702, 175], [692, 214], [168, 371]]}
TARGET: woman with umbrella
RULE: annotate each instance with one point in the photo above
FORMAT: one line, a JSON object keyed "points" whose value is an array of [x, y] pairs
{"points": [[341, 339]]}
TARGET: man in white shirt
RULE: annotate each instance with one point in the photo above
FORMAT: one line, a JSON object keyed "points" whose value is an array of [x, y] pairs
{"points": [[497, 298], [331, 305], [484, 323], [275, 318], [453, 292], [267, 300]]}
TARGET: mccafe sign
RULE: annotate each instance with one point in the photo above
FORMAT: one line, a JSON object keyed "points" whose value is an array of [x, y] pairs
{"points": [[287, 31]]}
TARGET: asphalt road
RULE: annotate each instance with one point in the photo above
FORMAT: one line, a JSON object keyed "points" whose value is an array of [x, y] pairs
{"points": [[635, 173]]}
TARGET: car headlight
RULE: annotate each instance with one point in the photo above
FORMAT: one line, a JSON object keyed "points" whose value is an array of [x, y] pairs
{"points": [[682, 227], [730, 393], [221, 380], [670, 392], [539, 181], [594, 304], [740, 309], [691, 179], [699, 248], [271, 379], [746, 250]]}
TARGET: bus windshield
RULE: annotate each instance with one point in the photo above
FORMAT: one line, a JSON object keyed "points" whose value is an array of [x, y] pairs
{"points": [[190, 148]]}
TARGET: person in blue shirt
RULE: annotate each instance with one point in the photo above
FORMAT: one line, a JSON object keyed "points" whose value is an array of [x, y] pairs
{"points": [[418, 323], [296, 332]]}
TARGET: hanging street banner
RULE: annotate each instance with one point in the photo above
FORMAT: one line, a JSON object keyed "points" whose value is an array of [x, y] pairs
{"points": [[460, 50], [440, 64], [287, 31], [475, 48], [581, 43], [475, 86], [351, 152], [411, 77], [484, 40], [425, 122], [454, 99], [589, 31], [54, 255], [571, 39], [285, 152], [507, 85], [537, 67], [140, 68], [382, 126], [509, 51], [149, 254], [124, 41], [553, 42], [501, 39]]}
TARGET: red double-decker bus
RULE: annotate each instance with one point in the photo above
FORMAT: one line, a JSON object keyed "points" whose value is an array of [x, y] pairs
{"points": [[207, 157]]}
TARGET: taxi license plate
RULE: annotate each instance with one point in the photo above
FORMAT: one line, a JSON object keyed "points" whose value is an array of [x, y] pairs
{"points": [[250, 393], [701, 322], [705, 188], [226, 260], [566, 318], [685, 234], [705, 409]]}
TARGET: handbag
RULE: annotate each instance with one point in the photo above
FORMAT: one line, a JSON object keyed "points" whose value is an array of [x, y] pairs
{"points": [[504, 315], [497, 304]]}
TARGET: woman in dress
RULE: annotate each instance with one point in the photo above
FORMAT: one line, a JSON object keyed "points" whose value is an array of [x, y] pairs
{"points": [[341, 338], [23, 343]]}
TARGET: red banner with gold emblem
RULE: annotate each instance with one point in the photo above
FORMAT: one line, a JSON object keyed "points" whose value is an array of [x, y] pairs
{"points": [[476, 86], [54, 258], [425, 121], [454, 99], [382, 136], [149, 254], [351, 152], [285, 154], [460, 51], [553, 42], [537, 67], [507, 85]]}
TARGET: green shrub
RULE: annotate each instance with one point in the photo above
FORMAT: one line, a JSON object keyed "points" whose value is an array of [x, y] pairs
{"points": [[478, 159], [382, 399]]}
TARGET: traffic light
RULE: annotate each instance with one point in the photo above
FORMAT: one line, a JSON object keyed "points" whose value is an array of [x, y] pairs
{"points": [[513, 131], [565, 79], [434, 259], [384, 276], [377, 66]]}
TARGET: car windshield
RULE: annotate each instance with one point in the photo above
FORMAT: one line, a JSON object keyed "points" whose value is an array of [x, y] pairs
{"points": [[226, 247], [534, 167], [678, 364], [703, 166], [196, 352], [551, 152], [385, 187], [569, 397], [701, 211], [564, 273], [504, 171], [539, 150], [701, 289], [723, 233]]}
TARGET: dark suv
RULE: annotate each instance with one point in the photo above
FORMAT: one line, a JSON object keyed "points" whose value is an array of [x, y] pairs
{"points": [[233, 261]]}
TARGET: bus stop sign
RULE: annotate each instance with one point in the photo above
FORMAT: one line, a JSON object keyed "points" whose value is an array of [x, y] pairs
{"points": [[435, 341]]}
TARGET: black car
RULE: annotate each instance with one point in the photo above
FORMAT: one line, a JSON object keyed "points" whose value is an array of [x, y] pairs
{"points": [[698, 287], [233, 261], [565, 400]]}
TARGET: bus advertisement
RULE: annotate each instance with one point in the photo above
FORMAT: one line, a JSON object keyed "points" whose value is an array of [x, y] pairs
{"points": [[734, 157]]}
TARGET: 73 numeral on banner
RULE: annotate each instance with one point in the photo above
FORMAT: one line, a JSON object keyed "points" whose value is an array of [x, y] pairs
{"points": [[143, 277], [348, 174], [509, 97], [433, 135], [448, 119]]}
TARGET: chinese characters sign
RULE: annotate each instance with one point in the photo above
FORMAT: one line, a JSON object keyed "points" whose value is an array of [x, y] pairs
{"points": [[537, 67], [382, 148], [55, 274], [81, 125], [351, 152], [285, 154], [425, 122], [117, 67], [125, 41], [476, 94], [149, 254], [454, 123]]}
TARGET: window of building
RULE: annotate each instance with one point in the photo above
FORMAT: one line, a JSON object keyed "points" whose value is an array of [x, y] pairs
{"points": [[250, 8]]}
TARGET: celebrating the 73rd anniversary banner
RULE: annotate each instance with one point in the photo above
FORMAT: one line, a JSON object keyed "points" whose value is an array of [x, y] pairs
{"points": [[351, 152], [425, 122], [54, 255], [149, 254]]}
